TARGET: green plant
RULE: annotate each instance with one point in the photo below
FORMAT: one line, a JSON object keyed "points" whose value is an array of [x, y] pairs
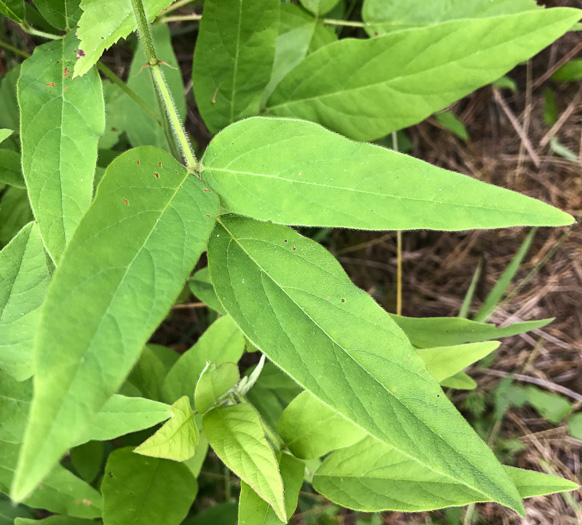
{"points": [[88, 281]]}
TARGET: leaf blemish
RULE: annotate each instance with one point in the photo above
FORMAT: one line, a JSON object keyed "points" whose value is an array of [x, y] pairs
{"points": [[126, 201], [138, 162], [67, 72], [157, 175], [80, 53], [343, 300], [208, 215], [293, 248], [285, 240], [160, 164], [206, 190], [50, 84]]}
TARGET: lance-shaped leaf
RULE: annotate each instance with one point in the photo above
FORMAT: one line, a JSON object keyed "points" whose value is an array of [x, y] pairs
{"points": [[215, 381], [62, 14], [297, 172], [237, 436], [125, 266], [460, 381], [222, 342], [177, 439], [294, 302], [98, 32], [383, 17], [24, 279], [252, 510], [142, 491], [61, 119], [367, 88], [13, 9], [427, 332], [372, 476], [10, 171], [233, 58]]}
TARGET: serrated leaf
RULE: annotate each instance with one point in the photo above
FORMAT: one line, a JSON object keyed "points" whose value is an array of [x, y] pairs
{"points": [[311, 429], [150, 217], [427, 332], [371, 476], [13, 9], [297, 172], [62, 14], [142, 129], [252, 510], [98, 32], [215, 381], [10, 171], [319, 7], [365, 89], [236, 435], [202, 288], [446, 361], [342, 347], [233, 58], [61, 121], [178, 437], [15, 213], [222, 342], [24, 279], [383, 17], [142, 491]]}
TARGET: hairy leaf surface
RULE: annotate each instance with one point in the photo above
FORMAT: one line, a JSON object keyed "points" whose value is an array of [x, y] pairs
{"points": [[365, 89], [61, 120], [294, 302], [297, 172], [233, 58], [124, 268]]}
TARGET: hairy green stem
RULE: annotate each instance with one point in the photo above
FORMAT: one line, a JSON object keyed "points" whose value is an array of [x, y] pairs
{"points": [[145, 34], [15, 50], [176, 5], [178, 18], [32, 31], [346, 23]]}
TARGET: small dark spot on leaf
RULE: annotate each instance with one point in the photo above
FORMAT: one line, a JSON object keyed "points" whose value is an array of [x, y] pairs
{"points": [[160, 164], [113, 128], [64, 89], [293, 248], [206, 190], [285, 240], [138, 162], [50, 84], [157, 175], [208, 215], [343, 300], [175, 171], [375, 33], [126, 201], [58, 61], [327, 297], [67, 72], [80, 53], [438, 395]]}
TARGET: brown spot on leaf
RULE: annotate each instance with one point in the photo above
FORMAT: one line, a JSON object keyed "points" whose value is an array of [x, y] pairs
{"points": [[160, 164], [113, 128], [86, 502], [50, 84], [206, 190], [285, 240], [126, 201], [80, 53], [157, 175], [208, 215], [343, 300], [64, 89], [175, 171], [138, 162], [293, 248], [67, 72]]}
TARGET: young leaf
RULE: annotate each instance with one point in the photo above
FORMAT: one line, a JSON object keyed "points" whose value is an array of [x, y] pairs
{"points": [[311, 429], [222, 342], [236, 435], [446, 361], [61, 121], [4, 134], [196, 462], [15, 213], [460, 381], [319, 7], [62, 14], [299, 34], [142, 129], [98, 32], [427, 332], [252, 510], [569, 72], [371, 476], [10, 172], [451, 122], [344, 349], [215, 381], [383, 17], [150, 217], [233, 58], [297, 172], [365, 89], [202, 288], [177, 439], [24, 279], [142, 491], [13, 9]]}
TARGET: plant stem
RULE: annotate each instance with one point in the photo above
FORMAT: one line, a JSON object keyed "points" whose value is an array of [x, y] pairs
{"points": [[159, 80], [176, 5], [32, 31], [398, 249], [15, 50], [346, 23], [178, 18]]}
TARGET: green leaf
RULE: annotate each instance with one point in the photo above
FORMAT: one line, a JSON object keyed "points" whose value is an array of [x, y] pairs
{"points": [[24, 279], [142, 129], [54, 520], [10, 172], [115, 116], [319, 7], [87, 459], [196, 462], [446, 361], [531, 483], [427, 332], [451, 122], [371, 476], [297, 172], [98, 32], [15, 213], [215, 381], [311, 429], [551, 406], [237, 437], [10, 513], [295, 303], [575, 426], [148, 374], [9, 112], [178, 437], [61, 121], [233, 58], [460, 381], [202, 288], [4, 134], [365, 89], [253, 510], [142, 491], [221, 514], [145, 221], [569, 72], [222, 342], [506, 82], [62, 14], [385, 17], [13, 9], [15, 399], [299, 34]]}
